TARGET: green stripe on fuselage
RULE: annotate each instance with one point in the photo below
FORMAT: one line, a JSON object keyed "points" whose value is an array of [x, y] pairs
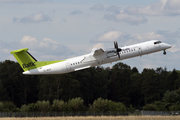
{"points": [[44, 63]]}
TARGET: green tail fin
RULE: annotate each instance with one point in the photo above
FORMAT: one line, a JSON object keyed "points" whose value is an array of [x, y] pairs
{"points": [[25, 59], [28, 62]]}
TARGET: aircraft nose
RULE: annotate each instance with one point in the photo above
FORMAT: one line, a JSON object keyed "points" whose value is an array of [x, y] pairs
{"points": [[167, 45]]}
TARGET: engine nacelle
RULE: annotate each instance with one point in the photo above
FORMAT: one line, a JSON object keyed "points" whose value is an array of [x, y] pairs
{"points": [[111, 52]]}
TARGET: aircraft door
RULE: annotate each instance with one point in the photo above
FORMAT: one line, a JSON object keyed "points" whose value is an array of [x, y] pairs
{"points": [[68, 66]]}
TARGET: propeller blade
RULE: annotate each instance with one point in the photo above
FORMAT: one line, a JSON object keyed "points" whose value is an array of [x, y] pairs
{"points": [[117, 49], [118, 55], [114, 44]]}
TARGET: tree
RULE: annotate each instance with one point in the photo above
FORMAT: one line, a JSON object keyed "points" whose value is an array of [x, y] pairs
{"points": [[121, 84], [172, 80], [43, 106], [59, 105], [171, 98], [135, 70], [7, 106], [106, 105], [1, 107], [100, 84], [3, 93], [46, 87], [70, 87], [150, 107], [16, 87], [32, 107], [86, 84], [76, 104], [93, 84], [175, 107], [136, 97], [24, 108], [162, 76], [150, 86]]}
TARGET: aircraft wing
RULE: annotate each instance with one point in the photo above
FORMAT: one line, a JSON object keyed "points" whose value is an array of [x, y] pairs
{"points": [[97, 51], [82, 68]]}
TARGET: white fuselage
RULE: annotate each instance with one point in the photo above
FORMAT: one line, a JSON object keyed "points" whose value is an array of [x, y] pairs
{"points": [[108, 56]]}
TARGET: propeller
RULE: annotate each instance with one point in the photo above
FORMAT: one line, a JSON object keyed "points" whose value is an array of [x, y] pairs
{"points": [[117, 49]]}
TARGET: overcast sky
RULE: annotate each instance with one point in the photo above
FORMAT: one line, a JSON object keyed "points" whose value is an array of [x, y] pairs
{"points": [[60, 29]]}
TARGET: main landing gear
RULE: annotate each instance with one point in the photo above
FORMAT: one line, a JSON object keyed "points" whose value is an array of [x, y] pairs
{"points": [[98, 69], [164, 52]]}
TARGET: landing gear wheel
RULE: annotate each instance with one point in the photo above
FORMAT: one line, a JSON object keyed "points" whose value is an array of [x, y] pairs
{"points": [[98, 69], [164, 52]]}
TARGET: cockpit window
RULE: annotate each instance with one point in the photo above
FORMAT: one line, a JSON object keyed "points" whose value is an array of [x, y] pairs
{"points": [[157, 42]]}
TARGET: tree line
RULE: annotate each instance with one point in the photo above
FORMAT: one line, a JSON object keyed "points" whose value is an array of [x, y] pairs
{"points": [[120, 88], [75, 104]]}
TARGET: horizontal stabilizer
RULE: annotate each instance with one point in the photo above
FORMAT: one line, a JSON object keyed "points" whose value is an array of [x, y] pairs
{"points": [[20, 50]]}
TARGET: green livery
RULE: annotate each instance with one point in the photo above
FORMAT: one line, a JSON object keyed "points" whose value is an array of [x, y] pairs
{"points": [[27, 61]]}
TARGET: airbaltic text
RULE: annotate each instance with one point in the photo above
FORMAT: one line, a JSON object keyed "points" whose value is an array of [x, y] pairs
{"points": [[30, 64]]}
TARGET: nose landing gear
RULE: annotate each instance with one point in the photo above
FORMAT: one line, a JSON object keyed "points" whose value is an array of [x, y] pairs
{"points": [[164, 52]]}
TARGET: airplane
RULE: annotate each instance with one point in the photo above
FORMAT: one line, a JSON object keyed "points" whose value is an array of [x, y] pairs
{"points": [[97, 57]]}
